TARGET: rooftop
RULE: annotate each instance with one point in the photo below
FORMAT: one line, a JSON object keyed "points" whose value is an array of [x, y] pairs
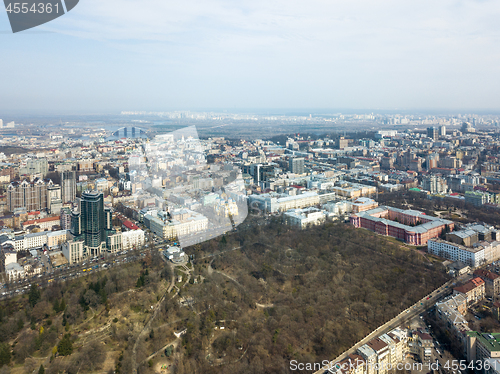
{"points": [[423, 335], [464, 233], [483, 273], [469, 286], [449, 307], [41, 220], [377, 344], [490, 341], [130, 225], [366, 350]]}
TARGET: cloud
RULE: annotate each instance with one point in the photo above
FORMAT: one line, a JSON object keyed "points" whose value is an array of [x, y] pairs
{"points": [[331, 30], [332, 53]]}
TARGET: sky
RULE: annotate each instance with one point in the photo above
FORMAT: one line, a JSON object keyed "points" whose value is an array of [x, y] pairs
{"points": [[106, 56]]}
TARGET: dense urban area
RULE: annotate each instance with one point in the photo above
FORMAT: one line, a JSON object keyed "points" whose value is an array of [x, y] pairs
{"points": [[186, 242]]}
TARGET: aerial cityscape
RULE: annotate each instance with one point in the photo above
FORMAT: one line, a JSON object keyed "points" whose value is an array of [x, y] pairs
{"points": [[249, 187], [224, 241]]}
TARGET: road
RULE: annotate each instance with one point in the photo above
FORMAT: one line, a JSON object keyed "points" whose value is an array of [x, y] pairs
{"points": [[162, 349], [406, 315], [74, 271]]}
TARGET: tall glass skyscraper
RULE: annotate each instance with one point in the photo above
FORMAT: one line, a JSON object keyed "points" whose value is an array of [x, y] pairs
{"points": [[93, 224], [92, 218]]}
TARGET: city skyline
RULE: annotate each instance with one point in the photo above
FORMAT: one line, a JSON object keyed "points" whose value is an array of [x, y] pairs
{"points": [[230, 220], [220, 187]]}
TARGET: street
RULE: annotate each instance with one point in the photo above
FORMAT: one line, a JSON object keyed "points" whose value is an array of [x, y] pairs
{"points": [[403, 317]]}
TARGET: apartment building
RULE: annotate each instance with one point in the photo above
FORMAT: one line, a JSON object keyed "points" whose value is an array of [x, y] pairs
{"points": [[187, 222], [363, 204], [382, 352], [434, 184], [377, 356], [353, 190], [482, 346], [101, 184], [44, 223], [420, 344], [395, 347], [73, 251], [30, 241], [54, 202], [495, 310], [51, 239], [85, 165], [114, 242], [303, 218], [474, 290], [68, 186], [29, 195], [296, 165], [491, 281], [65, 218], [14, 272], [370, 357], [129, 225], [352, 364], [132, 238], [7, 256], [56, 238], [464, 237], [480, 254], [34, 166], [274, 202], [452, 310], [478, 198]]}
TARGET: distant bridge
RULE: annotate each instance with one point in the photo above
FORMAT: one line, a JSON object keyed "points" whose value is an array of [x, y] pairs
{"points": [[129, 132]]}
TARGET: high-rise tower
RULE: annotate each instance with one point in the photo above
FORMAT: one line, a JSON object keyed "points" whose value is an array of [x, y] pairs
{"points": [[296, 165], [68, 184], [433, 133], [92, 213], [93, 224]]}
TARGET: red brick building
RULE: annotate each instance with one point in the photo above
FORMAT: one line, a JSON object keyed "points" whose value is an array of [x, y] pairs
{"points": [[410, 226]]}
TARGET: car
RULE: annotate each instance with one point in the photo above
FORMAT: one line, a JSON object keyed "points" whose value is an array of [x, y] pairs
{"points": [[428, 297]]}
